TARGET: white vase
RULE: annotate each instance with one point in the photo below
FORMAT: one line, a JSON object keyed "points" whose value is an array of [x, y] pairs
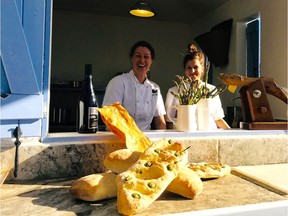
{"points": [[186, 117], [204, 118]]}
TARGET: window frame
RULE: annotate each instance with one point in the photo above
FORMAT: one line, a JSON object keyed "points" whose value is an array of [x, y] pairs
{"points": [[39, 122]]}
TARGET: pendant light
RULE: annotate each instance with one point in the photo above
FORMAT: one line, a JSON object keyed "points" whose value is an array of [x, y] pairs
{"points": [[142, 9]]}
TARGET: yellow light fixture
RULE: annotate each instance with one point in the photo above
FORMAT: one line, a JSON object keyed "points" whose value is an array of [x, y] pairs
{"points": [[142, 9]]}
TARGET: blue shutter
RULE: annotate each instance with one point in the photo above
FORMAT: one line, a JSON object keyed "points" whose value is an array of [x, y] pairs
{"points": [[252, 36], [22, 65]]}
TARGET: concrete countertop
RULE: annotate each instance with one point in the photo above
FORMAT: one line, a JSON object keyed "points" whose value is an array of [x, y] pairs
{"points": [[51, 197]]}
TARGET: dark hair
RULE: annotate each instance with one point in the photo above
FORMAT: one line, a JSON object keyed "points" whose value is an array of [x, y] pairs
{"points": [[142, 44], [193, 53]]}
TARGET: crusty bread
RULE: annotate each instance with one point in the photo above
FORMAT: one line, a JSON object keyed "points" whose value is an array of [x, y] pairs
{"points": [[187, 184], [118, 120], [147, 178], [210, 170], [102, 186], [236, 79], [95, 187], [120, 160]]}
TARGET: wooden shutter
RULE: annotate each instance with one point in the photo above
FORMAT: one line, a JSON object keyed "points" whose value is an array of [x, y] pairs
{"points": [[252, 35], [22, 65]]}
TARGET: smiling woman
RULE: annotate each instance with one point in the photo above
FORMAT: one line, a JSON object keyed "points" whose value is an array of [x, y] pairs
{"points": [[136, 93]]}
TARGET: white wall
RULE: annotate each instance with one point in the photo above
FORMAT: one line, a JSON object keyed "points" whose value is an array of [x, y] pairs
{"points": [[105, 41], [273, 42]]}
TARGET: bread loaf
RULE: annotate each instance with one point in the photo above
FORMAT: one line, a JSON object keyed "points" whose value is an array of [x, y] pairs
{"points": [[187, 183], [149, 176], [95, 187], [120, 160], [210, 170], [118, 120], [101, 186]]}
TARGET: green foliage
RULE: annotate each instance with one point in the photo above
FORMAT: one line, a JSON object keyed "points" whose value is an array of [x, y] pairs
{"points": [[191, 92], [188, 91]]}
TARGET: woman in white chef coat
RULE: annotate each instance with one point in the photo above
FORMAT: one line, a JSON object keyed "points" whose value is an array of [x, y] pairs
{"points": [[136, 93], [194, 67]]}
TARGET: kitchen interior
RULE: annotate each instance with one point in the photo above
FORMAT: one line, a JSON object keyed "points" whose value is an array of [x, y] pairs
{"points": [[102, 33], [96, 35]]}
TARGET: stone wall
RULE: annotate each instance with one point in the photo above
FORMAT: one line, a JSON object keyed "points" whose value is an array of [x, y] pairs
{"points": [[58, 160]]}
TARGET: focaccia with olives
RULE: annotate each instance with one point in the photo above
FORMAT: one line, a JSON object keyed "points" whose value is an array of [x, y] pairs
{"points": [[210, 170], [187, 183], [121, 160], [149, 176]]}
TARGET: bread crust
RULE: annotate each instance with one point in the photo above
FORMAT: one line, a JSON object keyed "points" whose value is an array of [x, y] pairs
{"points": [[236, 79], [120, 160], [210, 170], [118, 120], [95, 187], [149, 176], [187, 184]]}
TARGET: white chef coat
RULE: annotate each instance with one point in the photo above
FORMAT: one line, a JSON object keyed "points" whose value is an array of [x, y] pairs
{"points": [[216, 111], [142, 101]]}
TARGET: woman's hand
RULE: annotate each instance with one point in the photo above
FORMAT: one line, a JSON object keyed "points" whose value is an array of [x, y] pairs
{"points": [[159, 122], [221, 123]]}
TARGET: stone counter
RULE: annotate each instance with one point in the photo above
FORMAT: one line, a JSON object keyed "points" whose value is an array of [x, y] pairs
{"points": [[51, 197], [75, 155]]}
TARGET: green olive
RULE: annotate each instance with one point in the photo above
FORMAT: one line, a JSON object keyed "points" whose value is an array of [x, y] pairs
{"points": [[151, 185], [170, 141], [139, 171], [170, 167], [148, 164], [136, 196], [177, 154], [157, 151], [128, 178]]}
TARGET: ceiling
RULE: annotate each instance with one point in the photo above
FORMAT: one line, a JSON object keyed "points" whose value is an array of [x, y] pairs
{"points": [[181, 11]]}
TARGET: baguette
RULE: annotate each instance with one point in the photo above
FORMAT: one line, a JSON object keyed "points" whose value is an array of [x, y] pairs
{"points": [[149, 176], [95, 187]]}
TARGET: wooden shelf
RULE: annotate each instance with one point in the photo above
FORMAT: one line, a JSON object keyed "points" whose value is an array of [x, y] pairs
{"points": [[264, 125]]}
